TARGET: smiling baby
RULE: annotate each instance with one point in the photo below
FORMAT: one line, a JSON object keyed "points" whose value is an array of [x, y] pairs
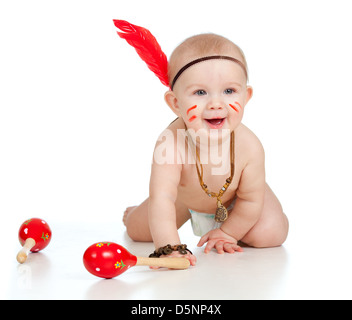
{"points": [[207, 165]]}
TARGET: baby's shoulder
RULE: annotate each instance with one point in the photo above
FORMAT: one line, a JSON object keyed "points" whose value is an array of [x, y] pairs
{"points": [[177, 124], [168, 144], [248, 142]]}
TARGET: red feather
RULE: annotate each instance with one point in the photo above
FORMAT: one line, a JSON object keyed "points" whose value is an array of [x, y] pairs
{"points": [[147, 48]]}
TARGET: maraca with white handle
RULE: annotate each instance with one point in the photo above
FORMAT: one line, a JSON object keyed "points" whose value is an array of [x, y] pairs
{"points": [[34, 235], [109, 260]]}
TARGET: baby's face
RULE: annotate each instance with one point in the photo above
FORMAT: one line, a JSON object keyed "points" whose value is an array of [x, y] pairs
{"points": [[212, 95]]}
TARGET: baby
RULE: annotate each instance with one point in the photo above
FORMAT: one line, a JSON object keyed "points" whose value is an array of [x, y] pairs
{"points": [[207, 165]]}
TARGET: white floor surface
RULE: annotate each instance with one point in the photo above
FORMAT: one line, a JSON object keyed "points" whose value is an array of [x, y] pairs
{"points": [[287, 272]]}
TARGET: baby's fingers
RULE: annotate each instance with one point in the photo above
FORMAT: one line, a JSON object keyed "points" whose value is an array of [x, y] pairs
{"points": [[192, 259], [220, 247], [210, 245], [154, 268], [203, 240], [232, 248]]}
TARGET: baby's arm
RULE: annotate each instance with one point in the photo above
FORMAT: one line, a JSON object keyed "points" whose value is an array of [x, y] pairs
{"points": [[164, 182], [247, 209], [162, 211], [249, 202], [250, 199]]}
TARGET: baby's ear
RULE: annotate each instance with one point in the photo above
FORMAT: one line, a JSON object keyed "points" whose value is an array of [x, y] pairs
{"points": [[249, 93], [171, 101]]}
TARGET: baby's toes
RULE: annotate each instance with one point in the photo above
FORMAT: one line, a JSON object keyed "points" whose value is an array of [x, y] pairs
{"points": [[126, 213]]}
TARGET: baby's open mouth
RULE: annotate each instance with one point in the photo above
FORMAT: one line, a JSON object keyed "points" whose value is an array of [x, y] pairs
{"points": [[215, 123]]}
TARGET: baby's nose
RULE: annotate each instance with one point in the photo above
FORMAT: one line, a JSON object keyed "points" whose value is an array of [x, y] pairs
{"points": [[215, 105]]}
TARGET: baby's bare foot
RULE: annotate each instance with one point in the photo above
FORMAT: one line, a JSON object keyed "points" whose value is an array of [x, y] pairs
{"points": [[126, 213]]}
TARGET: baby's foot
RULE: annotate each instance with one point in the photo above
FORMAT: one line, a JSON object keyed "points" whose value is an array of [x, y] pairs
{"points": [[126, 213]]}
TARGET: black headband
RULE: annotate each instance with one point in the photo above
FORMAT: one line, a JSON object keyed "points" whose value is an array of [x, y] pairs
{"points": [[205, 59]]}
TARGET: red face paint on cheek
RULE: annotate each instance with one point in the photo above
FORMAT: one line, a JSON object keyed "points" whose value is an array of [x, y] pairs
{"points": [[235, 107], [238, 104], [192, 118], [191, 108]]}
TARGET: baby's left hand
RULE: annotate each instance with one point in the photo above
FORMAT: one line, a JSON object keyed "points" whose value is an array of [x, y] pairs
{"points": [[219, 240]]}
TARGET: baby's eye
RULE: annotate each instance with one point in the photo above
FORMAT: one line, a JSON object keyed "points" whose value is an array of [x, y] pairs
{"points": [[200, 92], [229, 91]]}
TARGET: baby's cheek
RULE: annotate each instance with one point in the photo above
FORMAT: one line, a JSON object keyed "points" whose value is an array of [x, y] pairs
{"points": [[236, 106], [190, 110], [236, 114], [192, 118]]}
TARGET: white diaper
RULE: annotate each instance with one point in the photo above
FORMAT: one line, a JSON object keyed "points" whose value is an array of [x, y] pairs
{"points": [[204, 222]]}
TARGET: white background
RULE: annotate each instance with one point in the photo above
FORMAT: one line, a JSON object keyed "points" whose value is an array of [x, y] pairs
{"points": [[80, 112]]}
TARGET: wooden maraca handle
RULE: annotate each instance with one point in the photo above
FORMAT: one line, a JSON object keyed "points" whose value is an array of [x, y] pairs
{"points": [[23, 253], [172, 263]]}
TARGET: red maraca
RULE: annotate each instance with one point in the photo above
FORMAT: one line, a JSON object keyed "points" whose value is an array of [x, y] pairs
{"points": [[34, 235], [109, 260]]}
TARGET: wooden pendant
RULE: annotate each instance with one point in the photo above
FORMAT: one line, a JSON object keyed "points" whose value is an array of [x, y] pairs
{"points": [[221, 212]]}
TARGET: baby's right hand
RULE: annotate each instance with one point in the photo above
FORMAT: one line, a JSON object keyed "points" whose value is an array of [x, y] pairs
{"points": [[175, 254]]}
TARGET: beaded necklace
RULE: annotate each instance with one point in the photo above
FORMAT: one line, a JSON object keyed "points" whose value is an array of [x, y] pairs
{"points": [[221, 213]]}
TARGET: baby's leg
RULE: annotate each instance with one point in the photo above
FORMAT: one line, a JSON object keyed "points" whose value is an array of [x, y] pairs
{"points": [[272, 227], [126, 213], [137, 224]]}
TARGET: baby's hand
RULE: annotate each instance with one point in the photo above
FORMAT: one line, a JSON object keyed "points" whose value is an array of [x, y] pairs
{"points": [[175, 254], [219, 240]]}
